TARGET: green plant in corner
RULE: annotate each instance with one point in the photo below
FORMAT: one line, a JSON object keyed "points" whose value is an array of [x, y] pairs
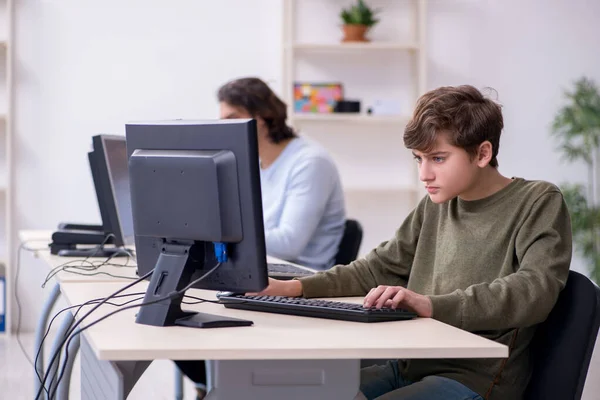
{"points": [[357, 20], [577, 128]]}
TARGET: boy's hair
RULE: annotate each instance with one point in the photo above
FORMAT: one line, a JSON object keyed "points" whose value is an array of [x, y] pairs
{"points": [[463, 112], [255, 96]]}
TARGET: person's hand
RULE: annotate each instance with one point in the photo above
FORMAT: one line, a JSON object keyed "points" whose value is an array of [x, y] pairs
{"points": [[277, 287], [398, 297]]}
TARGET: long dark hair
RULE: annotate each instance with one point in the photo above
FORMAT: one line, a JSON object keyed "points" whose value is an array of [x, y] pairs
{"points": [[255, 96]]}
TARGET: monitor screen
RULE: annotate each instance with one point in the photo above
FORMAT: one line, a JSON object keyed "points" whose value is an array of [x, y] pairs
{"points": [[115, 153]]}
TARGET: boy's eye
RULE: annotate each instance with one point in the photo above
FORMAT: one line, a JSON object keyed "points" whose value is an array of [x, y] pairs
{"points": [[417, 159], [438, 159]]}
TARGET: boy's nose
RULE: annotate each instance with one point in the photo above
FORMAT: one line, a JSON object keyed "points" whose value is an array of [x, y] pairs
{"points": [[425, 173]]}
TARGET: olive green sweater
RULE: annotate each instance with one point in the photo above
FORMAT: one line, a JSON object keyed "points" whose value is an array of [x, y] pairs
{"points": [[493, 267]]}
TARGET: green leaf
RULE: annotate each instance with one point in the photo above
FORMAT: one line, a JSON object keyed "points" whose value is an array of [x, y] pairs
{"points": [[577, 124], [585, 225], [360, 14]]}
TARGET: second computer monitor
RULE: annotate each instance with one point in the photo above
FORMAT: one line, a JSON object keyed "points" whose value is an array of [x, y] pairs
{"points": [[108, 163]]}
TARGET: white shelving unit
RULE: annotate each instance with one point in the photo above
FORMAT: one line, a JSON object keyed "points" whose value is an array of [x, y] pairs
{"points": [[6, 155], [313, 52]]}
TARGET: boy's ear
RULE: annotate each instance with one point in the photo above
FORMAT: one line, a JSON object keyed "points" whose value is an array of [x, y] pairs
{"points": [[484, 154]]}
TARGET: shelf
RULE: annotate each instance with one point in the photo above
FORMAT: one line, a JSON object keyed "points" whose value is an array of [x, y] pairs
{"points": [[355, 46], [349, 117]]}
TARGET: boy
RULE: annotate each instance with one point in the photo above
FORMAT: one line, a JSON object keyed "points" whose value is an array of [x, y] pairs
{"points": [[481, 252]]}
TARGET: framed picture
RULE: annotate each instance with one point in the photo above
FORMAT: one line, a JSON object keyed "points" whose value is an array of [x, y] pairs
{"points": [[319, 98]]}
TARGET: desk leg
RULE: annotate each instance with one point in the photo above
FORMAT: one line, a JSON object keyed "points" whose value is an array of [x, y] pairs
{"points": [[286, 379], [107, 380], [178, 384], [65, 383], [60, 335], [209, 374], [39, 335]]}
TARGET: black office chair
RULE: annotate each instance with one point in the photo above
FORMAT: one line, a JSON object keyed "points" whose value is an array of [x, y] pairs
{"points": [[350, 244], [563, 344]]}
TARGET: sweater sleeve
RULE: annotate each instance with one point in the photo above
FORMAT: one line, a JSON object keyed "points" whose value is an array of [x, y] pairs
{"points": [[307, 194], [524, 298], [388, 264]]}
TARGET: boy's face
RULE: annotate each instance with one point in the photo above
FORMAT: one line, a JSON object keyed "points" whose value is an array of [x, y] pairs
{"points": [[447, 171]]}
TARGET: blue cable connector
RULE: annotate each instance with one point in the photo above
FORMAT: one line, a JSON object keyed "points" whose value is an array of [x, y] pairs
{"points": [[220, 251]]}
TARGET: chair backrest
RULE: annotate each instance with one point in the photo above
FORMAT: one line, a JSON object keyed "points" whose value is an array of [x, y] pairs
{"points": [[563, 344], [350, 244]]}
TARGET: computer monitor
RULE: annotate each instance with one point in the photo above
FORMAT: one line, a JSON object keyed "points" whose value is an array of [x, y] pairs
{"points": [[108, 163], [195, 190]]}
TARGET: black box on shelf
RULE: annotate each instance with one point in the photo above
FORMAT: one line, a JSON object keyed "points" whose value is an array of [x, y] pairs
{"points": [[347, 106]]}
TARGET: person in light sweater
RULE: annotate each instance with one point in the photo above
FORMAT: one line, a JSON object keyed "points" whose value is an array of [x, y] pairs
{"points": [[303, 201], [482, 252]]}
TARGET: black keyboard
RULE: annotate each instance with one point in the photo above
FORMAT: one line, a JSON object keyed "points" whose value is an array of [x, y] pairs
{"points": [[313, 308], [286, 271]]}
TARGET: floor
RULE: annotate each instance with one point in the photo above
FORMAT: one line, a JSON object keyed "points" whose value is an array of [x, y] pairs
{"points": [[16, 376]]}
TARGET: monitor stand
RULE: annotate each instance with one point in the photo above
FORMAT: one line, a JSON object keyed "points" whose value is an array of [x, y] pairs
{"points": [[173, 271]]}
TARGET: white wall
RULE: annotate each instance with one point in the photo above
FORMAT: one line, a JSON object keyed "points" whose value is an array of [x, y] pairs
{"points": [[88, 67], [95, 65]]}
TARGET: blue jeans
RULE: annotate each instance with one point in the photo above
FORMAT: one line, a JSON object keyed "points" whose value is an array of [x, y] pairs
{"points": [[385, 382]]}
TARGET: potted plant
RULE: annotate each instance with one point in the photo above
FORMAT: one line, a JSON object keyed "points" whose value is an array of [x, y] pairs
{"points": [[358, 19], [577, 128]]}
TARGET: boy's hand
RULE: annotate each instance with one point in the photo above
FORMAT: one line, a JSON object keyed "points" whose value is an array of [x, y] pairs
{"points": [[399, 297], [276, 287]]}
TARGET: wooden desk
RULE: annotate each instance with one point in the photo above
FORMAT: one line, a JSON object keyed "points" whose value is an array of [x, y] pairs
{"points": [[315, 358]]}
